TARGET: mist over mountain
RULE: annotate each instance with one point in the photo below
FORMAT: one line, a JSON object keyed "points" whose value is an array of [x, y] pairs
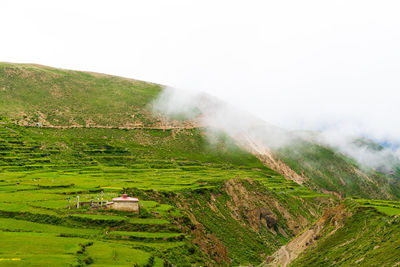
{"points": [[217, 115]]}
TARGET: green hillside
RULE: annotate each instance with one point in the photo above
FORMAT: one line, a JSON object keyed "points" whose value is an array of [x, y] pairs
{"points": [[40, 168], [367, 238], [330, 170], [31, 93], [65, 134]]}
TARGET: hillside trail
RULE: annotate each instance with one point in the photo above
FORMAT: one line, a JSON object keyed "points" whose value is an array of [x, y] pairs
{"points": [[287, 253], [334, 216], [285, 257], [119, 127]]}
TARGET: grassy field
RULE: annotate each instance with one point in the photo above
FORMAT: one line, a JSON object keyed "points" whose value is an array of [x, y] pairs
{"points": [[44, 249], [51, 159], [42, 168], [34, 198], [386, 207]]}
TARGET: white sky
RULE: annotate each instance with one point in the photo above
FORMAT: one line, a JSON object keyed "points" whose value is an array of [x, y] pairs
{"points": [[297, 64]]}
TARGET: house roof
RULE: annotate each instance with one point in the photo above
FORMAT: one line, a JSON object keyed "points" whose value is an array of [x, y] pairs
{"points": [[125, 198]]}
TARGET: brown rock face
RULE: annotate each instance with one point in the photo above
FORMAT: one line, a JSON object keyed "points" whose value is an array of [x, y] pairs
{"points": [[268, 217], [262, 215]]}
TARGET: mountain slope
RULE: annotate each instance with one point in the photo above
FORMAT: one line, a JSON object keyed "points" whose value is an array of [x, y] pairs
{"points": [[32, 93], [208, 198], [188, 185], [320, 167], [330, 170], [188, 188], [365, 238], [307, 158]]}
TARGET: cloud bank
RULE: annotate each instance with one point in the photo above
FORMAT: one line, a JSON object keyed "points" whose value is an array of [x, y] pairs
{"points": [[218, 116]]}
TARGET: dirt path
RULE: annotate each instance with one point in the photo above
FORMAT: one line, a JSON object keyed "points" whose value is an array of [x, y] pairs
{"points": [[115, 127], [284, 258], [288, 253]]}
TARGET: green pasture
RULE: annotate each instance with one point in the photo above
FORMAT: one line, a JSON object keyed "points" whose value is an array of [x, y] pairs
{"points": [[13, 225], [145, 234], [385, 206], [42, 168]]}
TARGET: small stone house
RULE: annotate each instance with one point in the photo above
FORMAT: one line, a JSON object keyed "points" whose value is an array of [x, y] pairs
{"points": [[124, 203]]}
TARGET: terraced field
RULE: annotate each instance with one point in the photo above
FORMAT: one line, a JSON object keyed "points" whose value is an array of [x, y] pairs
{"points": [[43, 170], [36, 182], [384, 206], [62, 155]]}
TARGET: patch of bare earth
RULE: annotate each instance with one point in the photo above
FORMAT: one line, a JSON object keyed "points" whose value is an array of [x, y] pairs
{"points": [[286, 254]]}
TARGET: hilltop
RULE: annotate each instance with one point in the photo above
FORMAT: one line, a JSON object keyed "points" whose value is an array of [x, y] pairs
{"points": [[32, 94]]}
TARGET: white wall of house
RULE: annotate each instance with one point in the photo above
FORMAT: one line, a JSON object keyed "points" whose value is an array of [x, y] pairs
{"points": [[125, 206]]}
